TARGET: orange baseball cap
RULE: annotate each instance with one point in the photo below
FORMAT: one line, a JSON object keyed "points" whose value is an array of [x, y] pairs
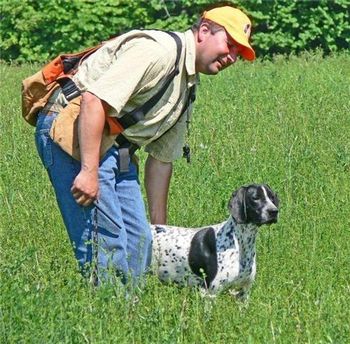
{"points": [[237, 25]]}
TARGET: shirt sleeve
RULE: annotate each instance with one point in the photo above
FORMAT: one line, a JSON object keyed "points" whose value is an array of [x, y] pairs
{"points": [[139, 64]]}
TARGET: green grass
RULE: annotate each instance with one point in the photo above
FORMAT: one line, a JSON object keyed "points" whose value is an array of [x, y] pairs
{"points": [[284, 122]]}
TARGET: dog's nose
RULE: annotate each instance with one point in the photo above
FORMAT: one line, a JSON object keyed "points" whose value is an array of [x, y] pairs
{"points": [[273, 212]]}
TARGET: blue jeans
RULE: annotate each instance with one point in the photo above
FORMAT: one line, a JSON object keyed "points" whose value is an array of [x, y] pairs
{"points": [[124, 238]]}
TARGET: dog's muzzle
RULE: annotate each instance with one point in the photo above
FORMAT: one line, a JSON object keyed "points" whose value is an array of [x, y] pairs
{"points": [[272, 217]]}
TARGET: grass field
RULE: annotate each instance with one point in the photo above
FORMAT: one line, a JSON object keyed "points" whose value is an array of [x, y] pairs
{"points": [[284, 122]]}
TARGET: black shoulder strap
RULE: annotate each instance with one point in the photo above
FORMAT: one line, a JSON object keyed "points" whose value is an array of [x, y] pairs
{"points": [[138, 114]]}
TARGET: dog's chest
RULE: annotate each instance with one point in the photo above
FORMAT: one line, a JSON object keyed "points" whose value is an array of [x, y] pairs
{"points": [[236, 259]]}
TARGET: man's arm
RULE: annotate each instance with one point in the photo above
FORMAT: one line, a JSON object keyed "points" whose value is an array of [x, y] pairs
{"points": [[157, 180], [90, 128]]}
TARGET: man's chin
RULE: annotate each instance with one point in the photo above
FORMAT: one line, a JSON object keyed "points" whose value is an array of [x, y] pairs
{"points": [[211, 71]]}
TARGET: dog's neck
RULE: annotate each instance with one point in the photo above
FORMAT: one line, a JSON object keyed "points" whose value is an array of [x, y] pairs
{"points": [[244, 231], [243, 235]]}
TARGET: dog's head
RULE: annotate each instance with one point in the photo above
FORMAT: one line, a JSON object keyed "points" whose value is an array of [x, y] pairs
{"points": [[255, 203]]}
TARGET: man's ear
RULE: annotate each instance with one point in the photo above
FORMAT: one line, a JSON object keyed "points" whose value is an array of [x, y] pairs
{"points": [[203, 32]]}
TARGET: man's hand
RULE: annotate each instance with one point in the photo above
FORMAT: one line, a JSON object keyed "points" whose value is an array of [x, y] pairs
{"points": [[85, 188]]}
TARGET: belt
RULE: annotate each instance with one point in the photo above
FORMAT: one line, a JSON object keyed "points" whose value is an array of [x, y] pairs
{"points": [[48, 112]]}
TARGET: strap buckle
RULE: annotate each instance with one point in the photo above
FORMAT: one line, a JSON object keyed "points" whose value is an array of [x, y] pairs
{"points": [[69, 88], [126, 150], [124, 159]]}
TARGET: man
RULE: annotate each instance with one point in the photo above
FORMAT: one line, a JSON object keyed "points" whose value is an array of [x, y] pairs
{"points": [[98, 194]]}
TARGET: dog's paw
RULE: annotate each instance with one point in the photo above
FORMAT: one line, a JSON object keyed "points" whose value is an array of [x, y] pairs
{"points": [[206, 294], [241, 295]]}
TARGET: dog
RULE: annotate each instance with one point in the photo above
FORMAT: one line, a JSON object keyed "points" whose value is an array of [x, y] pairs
{"points": [[221, 256]]}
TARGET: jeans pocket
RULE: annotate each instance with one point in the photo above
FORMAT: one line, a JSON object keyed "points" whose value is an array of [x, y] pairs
{"points": [[43, 144]]}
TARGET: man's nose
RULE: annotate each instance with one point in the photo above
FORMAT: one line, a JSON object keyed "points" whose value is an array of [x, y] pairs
{"points": [[232, 56]]}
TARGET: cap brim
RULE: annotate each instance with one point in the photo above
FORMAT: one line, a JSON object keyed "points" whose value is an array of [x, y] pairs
{"points": [[247, 53]]}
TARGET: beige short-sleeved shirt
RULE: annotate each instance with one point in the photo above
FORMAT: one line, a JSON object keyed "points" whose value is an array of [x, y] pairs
{"points": [[128, 70]]}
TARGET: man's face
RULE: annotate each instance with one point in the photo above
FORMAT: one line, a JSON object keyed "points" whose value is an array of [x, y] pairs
{"points": [[214, 52]]}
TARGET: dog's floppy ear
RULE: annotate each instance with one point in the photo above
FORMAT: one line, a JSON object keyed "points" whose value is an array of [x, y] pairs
{"points": [[237, 205]]}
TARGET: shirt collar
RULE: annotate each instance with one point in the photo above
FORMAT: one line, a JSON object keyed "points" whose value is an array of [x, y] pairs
{"points": [[190, 59]]}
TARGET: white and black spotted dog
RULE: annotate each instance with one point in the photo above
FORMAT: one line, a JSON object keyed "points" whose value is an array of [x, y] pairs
{"points": [[220, 256]]}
